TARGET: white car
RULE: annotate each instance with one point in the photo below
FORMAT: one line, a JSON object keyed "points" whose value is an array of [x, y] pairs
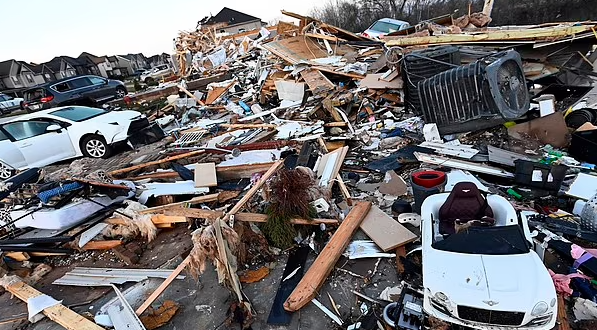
{"points": [[485, 277], [56, 134], [9, 103], [155, 73], [384, 26]]}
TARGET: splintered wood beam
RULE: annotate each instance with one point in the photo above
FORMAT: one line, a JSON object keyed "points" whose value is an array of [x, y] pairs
{"points": [[191, 95], [194, 213], [273, 169], [163, 286], [321, 268], [223, 172], [258, 217], [156, 162], [57, 313], [102, 245], [194, 200]]}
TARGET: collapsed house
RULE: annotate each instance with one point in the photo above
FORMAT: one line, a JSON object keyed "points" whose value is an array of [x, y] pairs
{"points": [[443, 175]]}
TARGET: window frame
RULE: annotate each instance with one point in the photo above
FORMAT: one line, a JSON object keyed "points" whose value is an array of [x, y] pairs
{"points": [[13, 138]]}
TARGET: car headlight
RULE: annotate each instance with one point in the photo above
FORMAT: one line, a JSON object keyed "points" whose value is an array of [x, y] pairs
{"points": [[540, 308], [441, 296]]}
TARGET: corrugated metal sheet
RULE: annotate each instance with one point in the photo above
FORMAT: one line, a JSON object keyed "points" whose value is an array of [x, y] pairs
{"points": [[85, 276]]}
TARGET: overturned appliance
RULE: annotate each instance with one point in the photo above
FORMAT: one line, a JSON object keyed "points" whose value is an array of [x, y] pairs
{"points": [[478, 95], [420, 65]]}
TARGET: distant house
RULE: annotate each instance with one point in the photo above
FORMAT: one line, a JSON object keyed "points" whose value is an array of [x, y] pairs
{"points": [[125, 65], [138, 61], [230, 21], [159, 59], [61, 67], [15, 75], [41, 73], [101, 62]]}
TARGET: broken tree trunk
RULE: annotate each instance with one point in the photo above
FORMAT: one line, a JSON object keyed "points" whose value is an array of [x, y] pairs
{"points": [[307, 288], [57, 313], [157, 162]]}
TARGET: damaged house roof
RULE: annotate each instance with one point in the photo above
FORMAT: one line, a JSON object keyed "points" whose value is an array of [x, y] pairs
{"points": [[231, 17]]}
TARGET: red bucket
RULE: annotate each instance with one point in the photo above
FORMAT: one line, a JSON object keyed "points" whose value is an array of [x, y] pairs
{"points": [[429, 179]]}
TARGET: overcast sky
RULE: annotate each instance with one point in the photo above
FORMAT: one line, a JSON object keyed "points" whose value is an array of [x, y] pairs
{"points": [[38, 30]]}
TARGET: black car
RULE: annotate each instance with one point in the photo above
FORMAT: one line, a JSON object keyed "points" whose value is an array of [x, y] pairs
{"points": [[85, 90]]}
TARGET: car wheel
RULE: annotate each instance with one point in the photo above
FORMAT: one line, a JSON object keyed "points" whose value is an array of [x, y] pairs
{"points": [[149, 80], [95, 146], [6, 172], [120, 92]]}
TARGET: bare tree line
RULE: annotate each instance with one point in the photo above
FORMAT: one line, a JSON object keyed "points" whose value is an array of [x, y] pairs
{"points": [[357, 15]]}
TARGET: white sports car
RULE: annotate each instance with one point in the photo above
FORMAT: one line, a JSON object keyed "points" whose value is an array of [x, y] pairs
{"points": [[485, 277], [56, 134]]}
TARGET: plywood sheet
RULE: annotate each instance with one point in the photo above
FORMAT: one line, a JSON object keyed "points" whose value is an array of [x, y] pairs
{"points": [[373, 81], [386, 232], [205, 175], [317, 82]]}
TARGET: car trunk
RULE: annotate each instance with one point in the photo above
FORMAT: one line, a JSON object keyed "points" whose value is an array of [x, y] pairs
{"points": [[35, 98]]}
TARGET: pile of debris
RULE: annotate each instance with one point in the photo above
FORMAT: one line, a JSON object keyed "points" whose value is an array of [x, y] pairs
{"points": [[477, 143]]}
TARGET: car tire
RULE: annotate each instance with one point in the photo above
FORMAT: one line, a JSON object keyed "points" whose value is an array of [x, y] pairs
{"points": [[148, 80], [6, 172], [120, 92], [94, 146]]}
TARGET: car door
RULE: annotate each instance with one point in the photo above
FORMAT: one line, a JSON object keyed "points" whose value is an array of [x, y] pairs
{"points": [[10, 153], [39, 146], [101, 90], [79, 88]]}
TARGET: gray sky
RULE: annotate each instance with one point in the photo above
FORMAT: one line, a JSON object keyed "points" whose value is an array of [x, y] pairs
{"points": [[38, 30]]}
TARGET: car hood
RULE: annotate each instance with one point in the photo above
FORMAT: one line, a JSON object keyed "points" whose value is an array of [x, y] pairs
{"points": [[115, 116], [506, 282]]}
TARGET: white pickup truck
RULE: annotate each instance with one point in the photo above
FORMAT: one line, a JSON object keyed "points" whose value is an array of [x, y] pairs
{"points": [[9, 103]]}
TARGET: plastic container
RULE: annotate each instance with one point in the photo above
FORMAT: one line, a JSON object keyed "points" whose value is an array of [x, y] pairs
{"points": [[425, 184], [429, 179], [540, 176]]}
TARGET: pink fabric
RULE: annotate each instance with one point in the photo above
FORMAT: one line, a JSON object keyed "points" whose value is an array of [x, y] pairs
{"points": [[562, 282], [577, 251]]}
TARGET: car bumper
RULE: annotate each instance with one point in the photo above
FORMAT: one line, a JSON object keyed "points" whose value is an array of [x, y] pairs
{"points": [[482, 326]]}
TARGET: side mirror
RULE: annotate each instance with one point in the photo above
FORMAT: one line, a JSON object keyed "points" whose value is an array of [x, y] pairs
{"points": [[105, 81], [53, 128]]}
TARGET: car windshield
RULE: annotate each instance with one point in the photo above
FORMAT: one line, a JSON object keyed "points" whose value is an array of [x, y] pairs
{"points": [[78, 113], [501, 240], [385, 27]]}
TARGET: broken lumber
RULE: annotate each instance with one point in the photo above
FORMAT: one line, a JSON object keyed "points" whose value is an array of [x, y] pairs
{"points": [[156, 162], [341, 183], [102, 245], [273, 169], [315, 276], [194, 213], [191, 95], [163, 286], [232, 172], [194, 200], [57, 313], [386, 232], [257, 217], [563, 322]]}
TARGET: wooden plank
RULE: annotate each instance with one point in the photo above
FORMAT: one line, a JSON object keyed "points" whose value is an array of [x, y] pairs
{"points": [[168, 219], [246, 126], [194, 200], [275, 167], [163, 286], [194, 213], [491, 35], [18, 256], [205, 175], [156, 162], [317, 82], [102, 245], [225, 173], [257, 217], [47, 254], [563, 322], [316, 275], [186, 91], [57, 313], [386, 232], [323, 36]]}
